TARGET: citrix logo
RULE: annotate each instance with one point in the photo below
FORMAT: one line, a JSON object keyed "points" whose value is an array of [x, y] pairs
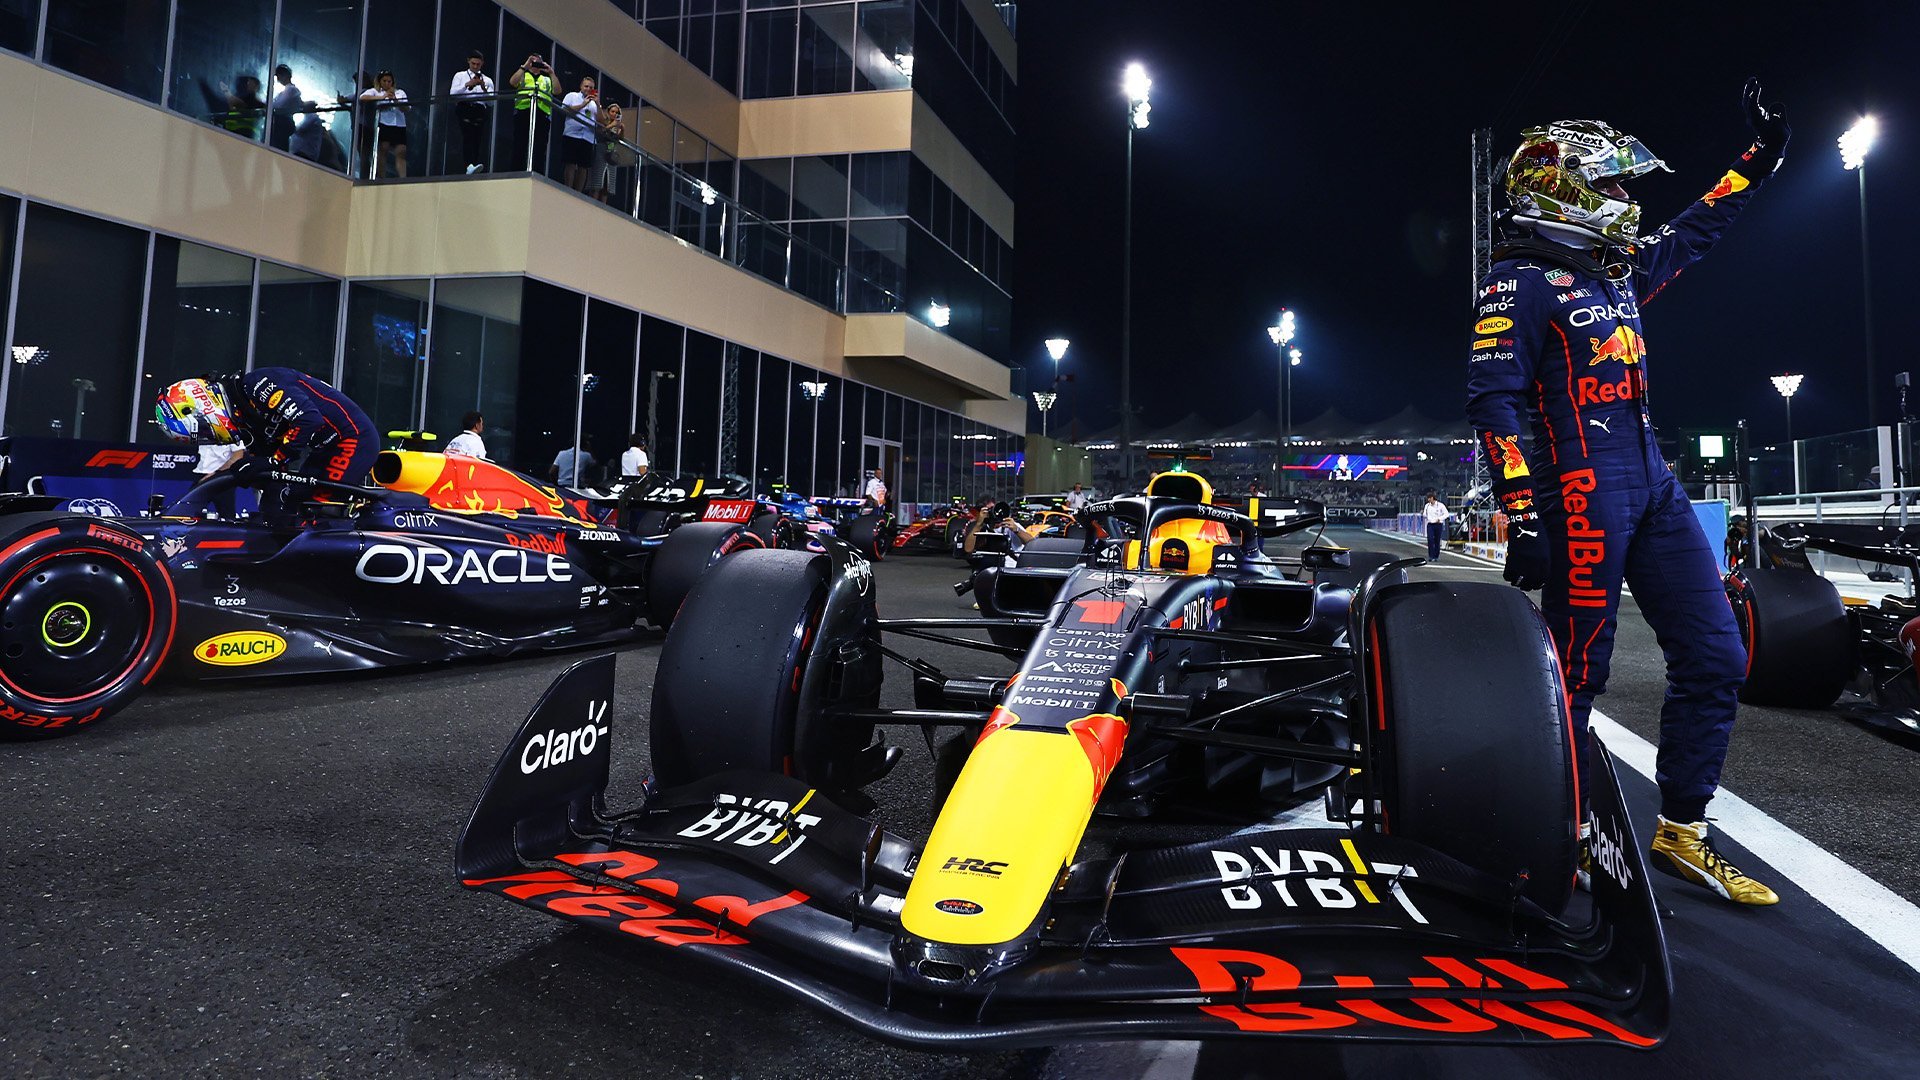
{"points": [[559, 747]]}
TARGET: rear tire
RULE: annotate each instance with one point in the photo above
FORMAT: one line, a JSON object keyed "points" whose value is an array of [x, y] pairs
{"points": [[1478, 754], [86, 619], [1800, 643], [867, 537], [726, 694], [683, 557]]}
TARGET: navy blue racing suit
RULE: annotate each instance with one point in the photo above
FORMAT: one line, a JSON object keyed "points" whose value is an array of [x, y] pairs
{"points": [[1557, 351], [302, 425]]}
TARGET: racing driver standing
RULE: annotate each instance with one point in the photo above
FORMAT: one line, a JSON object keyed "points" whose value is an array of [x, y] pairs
{"points": [[290, 419], [1557, 354]]}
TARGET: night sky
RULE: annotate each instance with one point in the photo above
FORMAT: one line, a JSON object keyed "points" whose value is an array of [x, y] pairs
{"points": [[1318, 157]]}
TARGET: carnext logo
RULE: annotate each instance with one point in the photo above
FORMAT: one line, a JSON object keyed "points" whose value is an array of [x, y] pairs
{"points": [[559, 747]]}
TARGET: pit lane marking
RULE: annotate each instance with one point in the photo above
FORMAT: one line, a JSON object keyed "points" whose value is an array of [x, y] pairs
{"points": [[1881, 914]]}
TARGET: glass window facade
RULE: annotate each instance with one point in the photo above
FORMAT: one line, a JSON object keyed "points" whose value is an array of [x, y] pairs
{"points": [[76, 327], [116, 43]]}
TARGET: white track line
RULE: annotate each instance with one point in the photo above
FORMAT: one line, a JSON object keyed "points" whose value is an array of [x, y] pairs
{"points": [[1872, 908], [1422, 545]]}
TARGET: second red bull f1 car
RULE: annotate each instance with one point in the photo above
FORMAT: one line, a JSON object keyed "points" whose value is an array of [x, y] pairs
{"points": [[450, 557], [1437, 902]]}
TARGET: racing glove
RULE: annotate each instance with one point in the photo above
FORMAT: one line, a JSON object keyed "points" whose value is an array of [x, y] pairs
{"points": [[1770, 130], [1513, 494]]}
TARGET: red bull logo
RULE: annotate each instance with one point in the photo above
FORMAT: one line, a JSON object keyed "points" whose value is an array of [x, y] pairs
{"points": [[1623, 345], [555, 544], [1505, 452], [1731, 184], [1586, 542], [341, 460], [1594, 392]]}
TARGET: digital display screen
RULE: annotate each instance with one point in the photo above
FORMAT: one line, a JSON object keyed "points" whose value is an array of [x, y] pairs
{"points": [[398, 337], [1347, 467], [1713, 446]]}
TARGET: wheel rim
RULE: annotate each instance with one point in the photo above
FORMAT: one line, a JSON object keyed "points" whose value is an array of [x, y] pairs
{"points": [[73, 624]]}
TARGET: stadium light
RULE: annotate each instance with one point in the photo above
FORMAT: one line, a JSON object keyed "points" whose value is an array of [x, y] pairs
{"points": [[1293, 357], [1788, 385], [1854, 145], [1856, 141], [1057, 348], [1044, 399], [1138, 87], [939, 315]]}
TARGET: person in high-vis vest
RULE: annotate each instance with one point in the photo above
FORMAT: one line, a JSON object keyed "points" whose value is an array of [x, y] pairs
{"points": [[245, 107], [532, 84]]}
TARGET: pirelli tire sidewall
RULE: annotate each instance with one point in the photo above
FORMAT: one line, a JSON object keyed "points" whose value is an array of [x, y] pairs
{"points": [[82, 599]]}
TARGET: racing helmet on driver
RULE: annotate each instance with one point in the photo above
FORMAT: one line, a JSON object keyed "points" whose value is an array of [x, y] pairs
{"points": [[195, 411], [1565, 178]]}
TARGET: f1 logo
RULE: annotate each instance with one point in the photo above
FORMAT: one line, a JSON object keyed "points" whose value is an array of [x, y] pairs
{"points": [[106, 459]]}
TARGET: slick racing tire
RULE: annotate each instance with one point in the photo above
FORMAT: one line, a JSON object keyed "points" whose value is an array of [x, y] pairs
{"points": [[686, 554], [765, 525], [726, 694], [1477, 762], [1800, 646], [868, 537], [956, 534], [86, 619]]}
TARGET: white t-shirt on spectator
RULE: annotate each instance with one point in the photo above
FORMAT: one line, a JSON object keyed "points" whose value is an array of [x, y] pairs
{"points": [[390, 114], [467, 444], [580, 125], [1076, 500], [633, 462]]}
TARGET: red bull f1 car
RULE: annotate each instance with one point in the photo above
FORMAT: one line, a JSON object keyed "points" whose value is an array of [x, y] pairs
{"points": [[450, 557], [1107, 862], [1807, 647]]}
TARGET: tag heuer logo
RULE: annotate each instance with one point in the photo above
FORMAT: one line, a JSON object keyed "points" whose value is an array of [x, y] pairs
{"points": [[1560, 279]]}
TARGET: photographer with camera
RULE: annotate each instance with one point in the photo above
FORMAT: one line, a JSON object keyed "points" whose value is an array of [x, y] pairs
{"points": [[532, 84], [997, 517]]}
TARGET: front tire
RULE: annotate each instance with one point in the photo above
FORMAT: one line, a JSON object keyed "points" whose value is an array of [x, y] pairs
{"points": [[726, 694], [86, 619], [1478, 754]]}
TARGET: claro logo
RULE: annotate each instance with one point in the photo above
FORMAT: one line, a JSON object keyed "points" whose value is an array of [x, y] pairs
{"points": [[559, 747], [240, 648], [418, 564]]}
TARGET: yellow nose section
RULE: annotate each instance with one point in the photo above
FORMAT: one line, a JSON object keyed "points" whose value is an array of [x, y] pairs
{"points": [[1014, 819]]}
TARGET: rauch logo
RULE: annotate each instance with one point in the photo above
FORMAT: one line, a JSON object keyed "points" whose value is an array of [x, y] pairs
{"points": [[240, 648]]}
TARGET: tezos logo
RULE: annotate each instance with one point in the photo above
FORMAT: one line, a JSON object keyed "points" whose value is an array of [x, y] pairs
{"points": [[559, 747], [958, 907], [240, 648]]}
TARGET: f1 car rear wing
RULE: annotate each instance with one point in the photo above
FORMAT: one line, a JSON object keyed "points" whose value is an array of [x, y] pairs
{"points": [[1322, 933]]}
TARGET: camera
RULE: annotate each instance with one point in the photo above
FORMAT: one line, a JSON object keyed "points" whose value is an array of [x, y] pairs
{"points": [[998, 513]]}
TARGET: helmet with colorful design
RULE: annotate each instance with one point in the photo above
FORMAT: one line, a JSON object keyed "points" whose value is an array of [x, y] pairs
{"points": [[1565, 179], [196, 411]]}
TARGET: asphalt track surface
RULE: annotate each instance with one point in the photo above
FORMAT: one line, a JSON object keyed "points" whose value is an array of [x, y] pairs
{"points": [[257, 879]]}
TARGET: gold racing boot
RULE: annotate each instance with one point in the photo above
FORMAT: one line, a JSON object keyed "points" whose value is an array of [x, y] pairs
{"points": [[1685, 852]]}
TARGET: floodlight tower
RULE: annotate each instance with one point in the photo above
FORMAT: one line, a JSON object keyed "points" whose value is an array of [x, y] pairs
{"points": [[1137, 87], [1281, 334], [1788, 385], [1854, 146]]}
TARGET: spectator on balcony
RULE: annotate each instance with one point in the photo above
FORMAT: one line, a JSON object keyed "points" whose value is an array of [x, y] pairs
{"points": [[532, 84], [390, 104], [468, 443], [582, 108], [288, 102], [244, 107], [472, 95], [611, 155]]}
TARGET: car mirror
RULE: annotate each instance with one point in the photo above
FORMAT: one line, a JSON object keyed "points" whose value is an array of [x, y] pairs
{"points": [[1318, 557]]}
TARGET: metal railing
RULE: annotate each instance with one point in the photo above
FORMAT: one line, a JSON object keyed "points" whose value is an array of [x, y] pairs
{"points": [[1878, 506]]}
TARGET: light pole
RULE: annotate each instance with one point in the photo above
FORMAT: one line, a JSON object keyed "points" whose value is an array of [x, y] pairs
{"points": [[1854, 145], [1137, 86], [1282, 335], [1056, 348], [1788, 385]]}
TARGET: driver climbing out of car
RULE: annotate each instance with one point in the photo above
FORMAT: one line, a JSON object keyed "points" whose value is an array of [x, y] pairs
{"points": [[1557, 353], [287, 420]]}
